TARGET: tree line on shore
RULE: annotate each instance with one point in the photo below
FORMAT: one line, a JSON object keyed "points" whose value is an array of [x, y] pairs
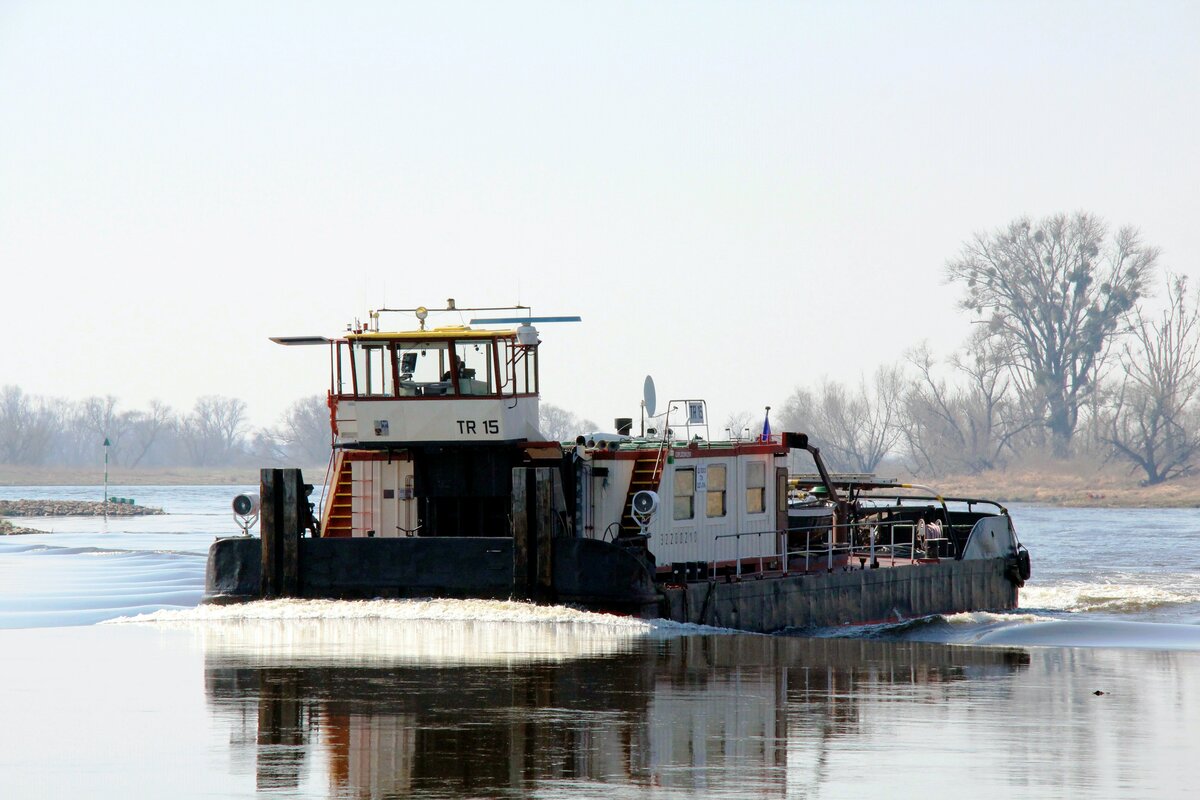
{"points": [[1066, 360], [215, 432], [41, 431]]}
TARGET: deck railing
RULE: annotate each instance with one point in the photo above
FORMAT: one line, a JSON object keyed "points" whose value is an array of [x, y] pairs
{"points": [[903, 543]]}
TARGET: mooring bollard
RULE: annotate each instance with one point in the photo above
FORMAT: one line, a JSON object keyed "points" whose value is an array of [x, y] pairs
{"points": [[281, 492]]}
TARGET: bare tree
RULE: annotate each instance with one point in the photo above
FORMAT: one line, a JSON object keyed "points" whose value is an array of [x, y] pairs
{"points": [[798, 415], [855, 429], [27, 427], [1058, 292], [214, 432], [304, 435], [559, 425], [1154, 422], [965, 427], [742, 425], [798, 411], [147, 429], [92, 421]]}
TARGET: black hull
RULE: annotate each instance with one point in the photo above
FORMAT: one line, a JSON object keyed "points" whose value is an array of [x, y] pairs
{"points": [[605, 577], [854, 597]]}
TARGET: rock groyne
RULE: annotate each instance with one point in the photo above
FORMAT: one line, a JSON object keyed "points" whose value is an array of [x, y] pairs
{"points": [[72, 508], [8, 529]]}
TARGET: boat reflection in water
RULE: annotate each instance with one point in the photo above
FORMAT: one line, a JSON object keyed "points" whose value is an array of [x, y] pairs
{"points": [[470, 708]]}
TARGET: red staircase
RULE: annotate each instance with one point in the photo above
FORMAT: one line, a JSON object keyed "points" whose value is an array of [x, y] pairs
{"points": [[337, 517]]}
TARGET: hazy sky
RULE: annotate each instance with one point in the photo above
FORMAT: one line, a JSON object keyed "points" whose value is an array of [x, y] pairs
{"points": [[737, 197]]}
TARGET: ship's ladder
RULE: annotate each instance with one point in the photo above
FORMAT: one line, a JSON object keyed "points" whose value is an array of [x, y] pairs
{"points": [[364, 493], [338, 516], [647, 474]]}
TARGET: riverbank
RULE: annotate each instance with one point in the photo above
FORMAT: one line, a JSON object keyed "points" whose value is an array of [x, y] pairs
{"points": [[1070, 484], [13, 475], [1073, 486]]}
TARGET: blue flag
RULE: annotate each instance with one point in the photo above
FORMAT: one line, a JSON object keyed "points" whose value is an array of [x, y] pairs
{"points": [[766, 434]]}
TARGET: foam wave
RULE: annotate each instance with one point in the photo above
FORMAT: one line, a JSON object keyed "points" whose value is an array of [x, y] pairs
{"points": [[977, 618], [400, 610], [1096, 633], [1038, 629], [934, 628], [97, 551], [1108, 597], [880, 630], [7, 548], [408, 631]]}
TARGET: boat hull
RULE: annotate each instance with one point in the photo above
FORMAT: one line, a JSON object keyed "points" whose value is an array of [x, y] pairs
{"points": [[605, 577], [853, 597]]}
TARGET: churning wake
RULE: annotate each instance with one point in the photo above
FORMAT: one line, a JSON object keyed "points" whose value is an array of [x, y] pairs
{"points": [[404, 631]]}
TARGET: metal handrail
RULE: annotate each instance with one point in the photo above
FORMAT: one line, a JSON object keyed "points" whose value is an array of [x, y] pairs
{"points": [[832, 548], [738, 538]]}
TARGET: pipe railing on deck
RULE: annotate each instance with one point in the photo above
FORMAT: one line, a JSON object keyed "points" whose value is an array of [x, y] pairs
{"points": [[867, 551]]}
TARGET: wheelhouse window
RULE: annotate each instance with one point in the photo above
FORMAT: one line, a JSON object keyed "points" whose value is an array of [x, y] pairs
{"points": [[518, 368], [424, 369], [343, 371], [685, 493], [373, 369], [402, 367], [476, 367], [714, 498], [756, 487]]}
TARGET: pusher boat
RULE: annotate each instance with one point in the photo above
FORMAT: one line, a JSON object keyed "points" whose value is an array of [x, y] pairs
{"points": [[441, 485]]}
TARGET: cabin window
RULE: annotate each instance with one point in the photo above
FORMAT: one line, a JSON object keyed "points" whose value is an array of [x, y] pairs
{"points": [[685, 493], [714, 502], [476, 373], [424, 369], [756, 487], [344, 372], [518, 367], [373, 369]]}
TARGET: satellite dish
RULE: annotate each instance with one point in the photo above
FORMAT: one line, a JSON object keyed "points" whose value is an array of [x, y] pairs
{"points": [[648, 396]]}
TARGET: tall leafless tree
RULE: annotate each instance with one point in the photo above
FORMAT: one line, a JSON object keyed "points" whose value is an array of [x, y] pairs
{"points": [[27, 427], [742, 425], [966, 426], [1154, 422], [214, 432], [560, 425], [855, 428], [147, 430], [304, 435], [1057, 290], [94, 420]]}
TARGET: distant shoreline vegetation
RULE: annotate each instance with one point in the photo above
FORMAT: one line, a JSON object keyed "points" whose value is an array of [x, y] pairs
{"points": [[43, 432], [16, 475], [1068, 370], [1078, 483]]}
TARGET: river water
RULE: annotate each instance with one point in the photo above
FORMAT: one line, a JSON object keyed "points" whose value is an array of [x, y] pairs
{"points": [[115, 683]]}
